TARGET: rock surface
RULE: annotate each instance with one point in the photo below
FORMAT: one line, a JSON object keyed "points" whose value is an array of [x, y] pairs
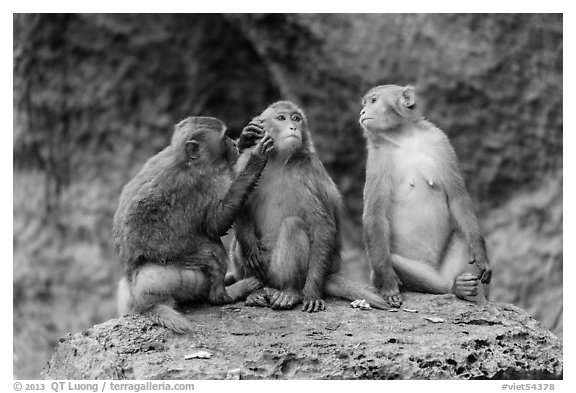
{"points": [[498, 341]]}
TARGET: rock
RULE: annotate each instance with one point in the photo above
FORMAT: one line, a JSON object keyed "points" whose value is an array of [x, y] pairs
{"points": [[498, 341]]}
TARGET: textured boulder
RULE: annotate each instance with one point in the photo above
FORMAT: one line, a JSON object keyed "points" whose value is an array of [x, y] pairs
{"points": [[498, 341]]}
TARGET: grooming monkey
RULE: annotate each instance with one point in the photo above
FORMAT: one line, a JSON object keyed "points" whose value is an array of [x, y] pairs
{"points": [[171, 216], [419, 223], [288, 236]]}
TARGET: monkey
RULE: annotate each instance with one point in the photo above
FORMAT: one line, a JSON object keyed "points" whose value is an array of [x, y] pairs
{"points": [[288, 236], [419, 226], [170, 218]]}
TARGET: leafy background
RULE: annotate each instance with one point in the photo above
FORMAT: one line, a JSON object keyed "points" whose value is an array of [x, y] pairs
{"points": [[96, 95]]}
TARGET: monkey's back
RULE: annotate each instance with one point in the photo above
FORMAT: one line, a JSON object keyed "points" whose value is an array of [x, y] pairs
{"points": [[160, 212]]}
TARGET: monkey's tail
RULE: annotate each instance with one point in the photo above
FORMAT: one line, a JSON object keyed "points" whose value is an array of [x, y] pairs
{"points": [[166, 316], [342, 287]]}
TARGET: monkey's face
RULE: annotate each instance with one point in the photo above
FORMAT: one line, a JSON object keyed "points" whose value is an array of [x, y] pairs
{"points": [[384, 107], [286, 127]]}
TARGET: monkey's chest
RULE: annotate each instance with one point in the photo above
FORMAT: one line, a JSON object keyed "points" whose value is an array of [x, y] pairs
{"points": [[277, 198], [420, 215], [416, 175]]}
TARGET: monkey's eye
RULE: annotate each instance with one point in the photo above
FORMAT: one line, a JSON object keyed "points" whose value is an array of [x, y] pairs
{"points": [[281, 117], [296, 118], [373, 99]]}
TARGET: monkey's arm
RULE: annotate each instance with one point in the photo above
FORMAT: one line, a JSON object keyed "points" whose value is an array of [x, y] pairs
{"points": [[376, 228], [221, 215], [250, 244], [462, 210], [322, 244]]}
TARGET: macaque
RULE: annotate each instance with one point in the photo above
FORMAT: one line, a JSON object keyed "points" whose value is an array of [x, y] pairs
{"points": [[171, 216], [419, 225], [288, 236]]}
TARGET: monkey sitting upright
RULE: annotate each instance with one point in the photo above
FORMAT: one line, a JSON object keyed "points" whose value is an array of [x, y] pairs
{"points": [[171, 216], [419, 224], [289, 234]]}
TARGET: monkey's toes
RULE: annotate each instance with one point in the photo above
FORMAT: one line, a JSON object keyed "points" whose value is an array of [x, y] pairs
{"points": [[393, 300], [253, 284], [256, 300], [314, 305], [179, 325], [282, 301], [219, 297]]}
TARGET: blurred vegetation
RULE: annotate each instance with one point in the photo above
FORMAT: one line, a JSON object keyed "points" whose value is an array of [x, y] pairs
{"points": [[96, 95]]}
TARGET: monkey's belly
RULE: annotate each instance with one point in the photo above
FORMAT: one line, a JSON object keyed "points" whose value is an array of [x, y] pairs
{"points": [[420, 222]]}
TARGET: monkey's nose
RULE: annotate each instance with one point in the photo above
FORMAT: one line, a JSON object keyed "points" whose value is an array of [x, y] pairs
{"points": [[362, 112]]}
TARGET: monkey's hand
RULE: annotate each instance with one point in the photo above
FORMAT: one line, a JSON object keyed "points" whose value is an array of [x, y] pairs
{"points": [[250, 135], [255, 259], [264, 146], [479, 257]]}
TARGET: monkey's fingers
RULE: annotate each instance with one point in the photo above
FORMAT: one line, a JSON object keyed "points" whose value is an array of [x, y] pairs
{"points": [[254, 264], [255, 125], [464, 277], [268, 145], [264, 145], [252, 134]]}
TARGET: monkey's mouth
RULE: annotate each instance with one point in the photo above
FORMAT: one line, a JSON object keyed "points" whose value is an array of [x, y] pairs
{"points": [[293, 136], [363, 119]]}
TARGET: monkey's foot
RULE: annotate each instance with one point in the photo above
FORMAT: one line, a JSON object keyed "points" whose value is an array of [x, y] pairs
{"points": [[313, 305], [392, 297], [465, 286], [252, 284], [218, 295], [285, 300], [258, 298]]}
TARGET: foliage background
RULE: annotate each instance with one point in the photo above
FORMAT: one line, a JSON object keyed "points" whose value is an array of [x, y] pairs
{"points": [[96, 95]]}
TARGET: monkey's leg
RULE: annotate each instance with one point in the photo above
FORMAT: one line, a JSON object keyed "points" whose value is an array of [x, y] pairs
{"points": [[125, 302], [153, 288], [376, 228], [289, 264], [463, 275], [216, 269], [241, 289], [232, 273], [451, 277], [420, 276]]}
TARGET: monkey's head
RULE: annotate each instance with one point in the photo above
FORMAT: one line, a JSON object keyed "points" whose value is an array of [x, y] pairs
{"points": [[287, 126], [203, 140], [387, 106]]}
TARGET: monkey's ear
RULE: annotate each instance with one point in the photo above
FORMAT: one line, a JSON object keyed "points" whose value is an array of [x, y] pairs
{"points": [[408, 96], [193, 149]]}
